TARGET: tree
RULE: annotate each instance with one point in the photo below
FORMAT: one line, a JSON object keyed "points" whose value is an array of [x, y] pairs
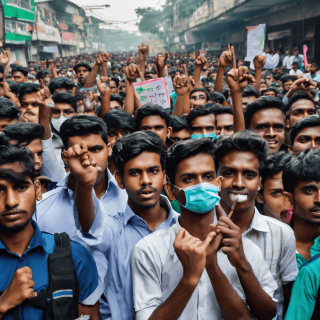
{"points": [[152, 20]]}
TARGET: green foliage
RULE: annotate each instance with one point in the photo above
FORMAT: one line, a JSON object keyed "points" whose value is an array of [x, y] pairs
{"points": [[151, 20]]}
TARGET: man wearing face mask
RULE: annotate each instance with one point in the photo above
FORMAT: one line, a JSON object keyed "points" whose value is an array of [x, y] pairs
{"points": [[178, 273]]}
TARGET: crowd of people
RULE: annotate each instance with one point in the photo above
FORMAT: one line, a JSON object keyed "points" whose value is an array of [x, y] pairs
{"points": [[209, 209]]}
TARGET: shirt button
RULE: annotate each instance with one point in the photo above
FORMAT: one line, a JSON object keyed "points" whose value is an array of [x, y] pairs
{"points": [[200, 284], [202, 303]]}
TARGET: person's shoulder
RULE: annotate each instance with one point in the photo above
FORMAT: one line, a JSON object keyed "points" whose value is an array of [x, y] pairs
{"points": [[278, 224], [50, 195]]}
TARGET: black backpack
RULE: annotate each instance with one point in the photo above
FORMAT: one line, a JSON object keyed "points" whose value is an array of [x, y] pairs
{"points": [[60, 300]]}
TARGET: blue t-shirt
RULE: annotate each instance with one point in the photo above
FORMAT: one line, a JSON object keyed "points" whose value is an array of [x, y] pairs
{"points": [[36, 258]]}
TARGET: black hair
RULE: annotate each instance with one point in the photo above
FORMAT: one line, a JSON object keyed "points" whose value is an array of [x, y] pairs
{"points": [[116, 80], [286, 78], [244, 141], [222, 110], [273, 164], [97, 109], [115, 67], [200, 89], [1, 68], [303, 166], [179, 123], [61, 82], [308, 122], [12, 154], [225, 92], [82, 64], [250, 91], [24, 132], [123, 94], [152, 110], [41, 74], [260, 104], [21, 69], [217, 97], [274, 89], [199, 112], [8, 109], [66, 97], [119, 119], [185, 149], [27, 88], [132, 145], [172, 70], [14, 87], [299, 95], [83, 125], [296, 49], [116, 97]]}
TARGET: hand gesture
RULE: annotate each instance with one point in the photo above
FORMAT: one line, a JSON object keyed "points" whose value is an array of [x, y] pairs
{"points": [[50, 64], [259, 61], [143, 52], [302, 84], [132, 72], [161, 60], [192, 254], [105, 91], [82, 165], [182, 83], [43, 97], [232, 241], [20, 289], [104, 58], [201, 61], [5, 57], [237, 79], [92, 96], [226, 57]]}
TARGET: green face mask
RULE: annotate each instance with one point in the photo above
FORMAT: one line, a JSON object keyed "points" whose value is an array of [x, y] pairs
{"points": [[206, 135]]}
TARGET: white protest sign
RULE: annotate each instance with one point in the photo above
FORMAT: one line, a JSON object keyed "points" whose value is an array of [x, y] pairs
{"points": [[255, 41], [152, 91]]}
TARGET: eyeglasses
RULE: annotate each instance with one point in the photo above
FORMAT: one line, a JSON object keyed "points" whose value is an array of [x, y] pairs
{"points": [[268, 78]]}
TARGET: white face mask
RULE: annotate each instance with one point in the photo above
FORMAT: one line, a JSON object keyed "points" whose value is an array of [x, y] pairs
{"points": [[69, 73], [57, 122]]}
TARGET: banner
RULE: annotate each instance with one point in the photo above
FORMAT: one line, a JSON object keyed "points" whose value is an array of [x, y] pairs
{"points": [[255, 41], [152, 91]]}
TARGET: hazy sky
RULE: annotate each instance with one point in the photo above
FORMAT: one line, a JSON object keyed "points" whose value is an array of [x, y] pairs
{"points": [[120, 10]]}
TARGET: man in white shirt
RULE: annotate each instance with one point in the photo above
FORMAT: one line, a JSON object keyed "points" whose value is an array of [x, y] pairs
{"points": [[239, 160], [178, 273], [287, 62], [295, 71], [312, 74]]}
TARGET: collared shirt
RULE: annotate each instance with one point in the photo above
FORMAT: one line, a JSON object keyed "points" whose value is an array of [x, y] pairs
{"points": [[287, 62], [157, 271], [36, 258], [277, 243], [309, 76], [298, 73], [315, 249], [116, 237]]}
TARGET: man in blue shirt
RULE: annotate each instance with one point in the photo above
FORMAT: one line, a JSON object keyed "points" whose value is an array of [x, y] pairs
{"points": [[24, 250], [139, 159]]}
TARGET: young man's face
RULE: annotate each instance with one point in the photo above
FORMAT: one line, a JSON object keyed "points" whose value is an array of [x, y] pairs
{"points": [[97, 148], [157, 125], [115, 71], [29, 105], [17, 201], [198, 98], [240, 172], [306, 138], [247, 100], [272, 196], [287, 85], [142, 179], [301, 109], [82, 74], [225, 124], [269, 124], [5, 122], [113, 87], [194, 170], [269, 94], [307, 201], [115, 104], [313, 68], [295, 66], [263, 86], [19, 77], [115, 134], [296, 53], [62, 109], [35, 147], [203, 124], [177, 136]]}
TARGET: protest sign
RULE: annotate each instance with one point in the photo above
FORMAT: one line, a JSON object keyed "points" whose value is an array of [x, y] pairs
{"points": [[255, 41], [305, 60], [152, 91]]}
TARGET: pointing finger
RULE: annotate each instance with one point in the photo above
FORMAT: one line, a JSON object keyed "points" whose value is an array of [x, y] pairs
{"points": [[234, 62]]}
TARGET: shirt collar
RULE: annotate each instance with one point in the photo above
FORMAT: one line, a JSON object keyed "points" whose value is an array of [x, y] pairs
{"points": [[37, 240], [257, 223], [164, 203]]}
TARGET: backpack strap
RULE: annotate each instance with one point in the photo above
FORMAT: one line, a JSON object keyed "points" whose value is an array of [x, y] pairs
{"points": [[310, 260]]}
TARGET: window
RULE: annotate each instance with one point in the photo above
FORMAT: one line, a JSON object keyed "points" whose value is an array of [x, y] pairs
{"points": [[16, 27], [25, 4]]}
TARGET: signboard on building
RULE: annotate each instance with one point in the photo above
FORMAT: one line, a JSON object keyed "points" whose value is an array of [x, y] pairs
{"points": [[52, 49], [279, 34], [214, 46], [48, 33], [69, 38]]}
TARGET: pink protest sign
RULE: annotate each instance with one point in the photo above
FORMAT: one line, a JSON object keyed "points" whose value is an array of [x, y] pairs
{"points": [[152, 91], [305, 60]]}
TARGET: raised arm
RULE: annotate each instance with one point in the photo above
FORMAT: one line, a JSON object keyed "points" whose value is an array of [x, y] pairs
{"points": [[200, 63], [105, 93], [5, 57], [143, 55], [132, 73], [224, 61], [161, 63], [93, 74], [259, 62], [181, 86]]}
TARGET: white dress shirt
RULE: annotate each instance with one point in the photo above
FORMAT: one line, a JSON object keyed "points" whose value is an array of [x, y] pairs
{"points": [[287, 62], [157, 271], [298, 73], [277, 243]]}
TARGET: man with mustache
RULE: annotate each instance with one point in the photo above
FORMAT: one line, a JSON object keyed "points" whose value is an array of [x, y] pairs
{"points": [[301, 182], [25, 250], [139, 158], [239, 160]]}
